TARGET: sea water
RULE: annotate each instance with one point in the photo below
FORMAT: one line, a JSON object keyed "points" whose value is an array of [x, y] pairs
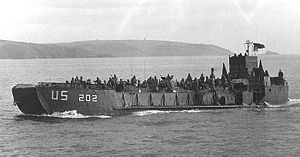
{"points": [[273, 131]]}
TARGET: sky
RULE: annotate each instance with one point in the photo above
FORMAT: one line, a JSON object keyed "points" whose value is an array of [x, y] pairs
{"points": [[226, 23]]}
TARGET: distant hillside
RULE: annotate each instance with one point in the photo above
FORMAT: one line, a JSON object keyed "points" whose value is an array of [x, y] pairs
{"points": [[271, 53], [106, 48]]}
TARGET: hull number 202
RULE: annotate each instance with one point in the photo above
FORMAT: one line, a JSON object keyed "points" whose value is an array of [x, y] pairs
{"points": [[63, 96], [87, 98]]}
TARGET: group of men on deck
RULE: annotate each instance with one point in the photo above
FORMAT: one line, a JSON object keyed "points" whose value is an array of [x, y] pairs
{"points": [[154, 84]]}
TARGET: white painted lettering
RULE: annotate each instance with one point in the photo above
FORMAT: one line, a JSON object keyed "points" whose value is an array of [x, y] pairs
{"points": [[87, 97], [81, 97], [64, 95], [94, 98], [54, 97]]}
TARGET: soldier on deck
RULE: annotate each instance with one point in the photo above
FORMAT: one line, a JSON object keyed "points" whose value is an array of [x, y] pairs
{"points": [[280, 73], [155, 83], [133, 81], [189, 78], [139, 83], [76, 79], [110, 83], [97, 81], [81, 79], [88, 81], [181, 83], [127, 82], [105, 85], [202, 78], [212, 79], [72, 81], [115, 80], [206, 82], [195, 84], [120, 86]]}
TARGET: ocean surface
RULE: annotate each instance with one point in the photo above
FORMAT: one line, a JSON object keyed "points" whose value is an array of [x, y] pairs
{"points": [[273, 131]]}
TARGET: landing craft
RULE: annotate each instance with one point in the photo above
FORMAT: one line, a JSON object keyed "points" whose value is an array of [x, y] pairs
{"points": [[246, 85]]}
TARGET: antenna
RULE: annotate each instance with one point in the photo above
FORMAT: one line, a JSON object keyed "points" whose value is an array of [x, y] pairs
{"points": [[248, 43], [131, 70], [144, 69]]}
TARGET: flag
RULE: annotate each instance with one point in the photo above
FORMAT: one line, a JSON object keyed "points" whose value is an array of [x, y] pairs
{"points": [[258, 46]]}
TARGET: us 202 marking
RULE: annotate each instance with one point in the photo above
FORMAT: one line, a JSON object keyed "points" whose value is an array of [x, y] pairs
{"points": [[87, 97], [63, 96]]}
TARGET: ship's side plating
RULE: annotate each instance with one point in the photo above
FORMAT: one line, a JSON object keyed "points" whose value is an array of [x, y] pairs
{"points": [[60, 97], [276, 90], [63, 97]]}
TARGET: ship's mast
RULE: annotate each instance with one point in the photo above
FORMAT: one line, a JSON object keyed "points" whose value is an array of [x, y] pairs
{"points": [[249, 48]]}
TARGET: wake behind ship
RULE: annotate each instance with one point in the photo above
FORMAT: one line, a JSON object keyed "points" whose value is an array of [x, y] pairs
{"points": [[246, 85]]}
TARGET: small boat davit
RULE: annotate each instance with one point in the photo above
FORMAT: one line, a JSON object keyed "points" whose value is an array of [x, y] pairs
{"points": [[246, 85]]}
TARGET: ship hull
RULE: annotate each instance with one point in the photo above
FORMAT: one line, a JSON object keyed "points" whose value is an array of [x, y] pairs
{"points": [[46, 100], [26, 98], [276, 94]]}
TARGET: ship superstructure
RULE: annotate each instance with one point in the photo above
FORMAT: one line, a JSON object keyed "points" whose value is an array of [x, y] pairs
{"points": [[252, 82]]}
